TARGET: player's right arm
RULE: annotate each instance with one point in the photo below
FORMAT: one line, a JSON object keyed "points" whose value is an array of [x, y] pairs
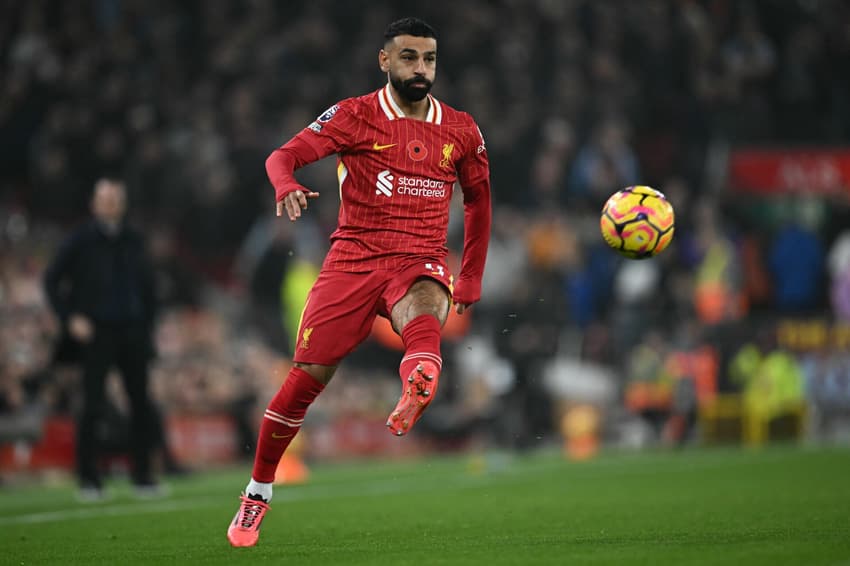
{"points": [[280, 167], [330, 133]]}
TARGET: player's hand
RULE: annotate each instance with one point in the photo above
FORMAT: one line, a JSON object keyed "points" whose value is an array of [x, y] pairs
{"points": [[465, 293], [294, 203], [80, 328]]}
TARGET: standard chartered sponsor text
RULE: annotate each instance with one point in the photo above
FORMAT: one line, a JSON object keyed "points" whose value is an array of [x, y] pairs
{"points": [[419, 187]]}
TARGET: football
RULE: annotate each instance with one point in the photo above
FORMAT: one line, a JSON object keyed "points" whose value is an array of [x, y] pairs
{"points": [[638, 222]]}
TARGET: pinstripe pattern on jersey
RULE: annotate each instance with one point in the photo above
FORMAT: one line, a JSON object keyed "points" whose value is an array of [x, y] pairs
{"points": [[378, 228]]}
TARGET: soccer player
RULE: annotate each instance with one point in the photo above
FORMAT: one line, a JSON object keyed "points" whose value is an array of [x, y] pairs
{"points": [[400, 151]]}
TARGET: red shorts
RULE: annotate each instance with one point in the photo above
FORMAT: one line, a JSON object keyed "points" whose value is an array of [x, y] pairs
{"points": [[341, 308]]}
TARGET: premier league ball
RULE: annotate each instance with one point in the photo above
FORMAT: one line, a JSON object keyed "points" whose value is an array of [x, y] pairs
{"points": [[637, 222]]}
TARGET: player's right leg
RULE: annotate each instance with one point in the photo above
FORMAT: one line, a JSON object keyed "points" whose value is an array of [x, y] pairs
{"points": [[338, 316], [281, 422]]}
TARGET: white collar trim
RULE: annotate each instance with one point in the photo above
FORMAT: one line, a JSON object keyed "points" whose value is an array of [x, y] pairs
{"points": [[394, 112]]}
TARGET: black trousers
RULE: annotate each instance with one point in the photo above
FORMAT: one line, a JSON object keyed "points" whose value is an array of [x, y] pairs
{"points": [[126, 347]]}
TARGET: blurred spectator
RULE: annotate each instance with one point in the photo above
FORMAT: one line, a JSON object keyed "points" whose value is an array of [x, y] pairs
{"points": [[293, 292], [772, 381], [507, 254], [718, 284], [839, 272], [276, 265], [796, 262], [175, 284], [528, 334], [749, 60], [649, 387], [269, 267], [549, 166], [604, 164], [100, 285], [827, 385], [692, 366]]}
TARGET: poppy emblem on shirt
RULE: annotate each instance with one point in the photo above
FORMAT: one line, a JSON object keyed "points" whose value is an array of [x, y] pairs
{"points": [[416, 150], [446, 161]]}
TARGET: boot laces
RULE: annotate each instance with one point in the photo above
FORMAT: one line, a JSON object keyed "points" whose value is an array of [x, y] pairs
{"points": [[252, 510]]}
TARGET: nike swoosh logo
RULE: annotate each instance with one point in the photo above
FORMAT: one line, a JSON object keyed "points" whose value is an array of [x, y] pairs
{"points": [[379, 147], [282, 436]]}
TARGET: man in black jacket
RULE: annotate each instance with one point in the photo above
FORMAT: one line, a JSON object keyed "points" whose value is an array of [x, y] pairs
{"points": [[100, 285]]}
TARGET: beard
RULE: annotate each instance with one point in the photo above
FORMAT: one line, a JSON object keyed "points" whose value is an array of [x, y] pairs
{"points": [[408, 89]]}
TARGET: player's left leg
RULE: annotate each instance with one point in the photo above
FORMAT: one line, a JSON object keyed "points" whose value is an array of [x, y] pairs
{"points": [[418, 317]]}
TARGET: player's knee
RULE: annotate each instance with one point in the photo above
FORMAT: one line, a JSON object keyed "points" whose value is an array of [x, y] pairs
{"points": [[439, 306], [425, 297]]}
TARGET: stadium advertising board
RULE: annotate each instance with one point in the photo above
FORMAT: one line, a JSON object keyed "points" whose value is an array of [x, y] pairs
{"points": [[777, 171]]}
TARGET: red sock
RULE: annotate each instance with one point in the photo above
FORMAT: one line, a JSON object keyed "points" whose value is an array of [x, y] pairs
{"points": [[421, 337], [282, 421]]}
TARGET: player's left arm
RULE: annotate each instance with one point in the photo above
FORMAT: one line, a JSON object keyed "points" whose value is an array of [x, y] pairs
{"points": [[474, 177]]}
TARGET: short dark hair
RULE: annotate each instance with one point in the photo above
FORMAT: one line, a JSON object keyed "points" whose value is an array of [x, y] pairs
{"points": [[409, 26]]}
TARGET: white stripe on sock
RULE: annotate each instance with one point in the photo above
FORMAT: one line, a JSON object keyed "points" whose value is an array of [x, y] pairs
{"points": [[428, 356], [282, 416], [283, 420]]}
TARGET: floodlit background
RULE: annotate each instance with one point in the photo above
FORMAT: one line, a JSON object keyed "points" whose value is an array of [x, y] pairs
{"points": [[739, 111]]}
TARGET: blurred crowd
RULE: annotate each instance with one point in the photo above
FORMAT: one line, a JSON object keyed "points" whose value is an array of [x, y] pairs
{"points": [[576, 99]]}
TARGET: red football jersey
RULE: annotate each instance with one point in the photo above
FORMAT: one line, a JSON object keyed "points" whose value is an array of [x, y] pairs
{"points": [[396, 177]]}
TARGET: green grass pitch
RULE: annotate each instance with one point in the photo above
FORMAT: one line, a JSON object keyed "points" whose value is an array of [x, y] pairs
{"points": [[725, 506]]}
